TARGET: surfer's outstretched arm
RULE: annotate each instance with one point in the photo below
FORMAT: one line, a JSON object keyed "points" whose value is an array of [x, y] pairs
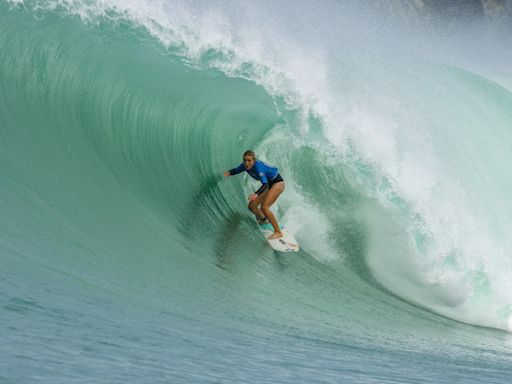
{"points": [[235, 171]]}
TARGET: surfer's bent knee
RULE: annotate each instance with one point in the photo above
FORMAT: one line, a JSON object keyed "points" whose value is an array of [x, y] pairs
{"points": [[252, 205]]}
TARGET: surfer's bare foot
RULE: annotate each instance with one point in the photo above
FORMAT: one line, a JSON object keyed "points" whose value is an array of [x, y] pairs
{"points": [[275, 235]]}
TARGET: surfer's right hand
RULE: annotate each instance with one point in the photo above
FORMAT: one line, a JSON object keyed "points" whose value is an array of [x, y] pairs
{"points": [[226, 174]]}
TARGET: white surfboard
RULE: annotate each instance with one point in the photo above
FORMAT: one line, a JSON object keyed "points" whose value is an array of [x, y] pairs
{"points": [[287, 243]]}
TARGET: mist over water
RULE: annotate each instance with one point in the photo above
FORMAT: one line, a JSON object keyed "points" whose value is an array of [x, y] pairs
{"points": [[390, 123]]}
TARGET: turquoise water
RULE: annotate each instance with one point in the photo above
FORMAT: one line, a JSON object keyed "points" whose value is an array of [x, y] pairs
{"points": [[126, 257]]}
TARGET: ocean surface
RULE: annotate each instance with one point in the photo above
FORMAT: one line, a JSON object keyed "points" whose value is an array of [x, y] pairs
{"points": [[126, 257]]}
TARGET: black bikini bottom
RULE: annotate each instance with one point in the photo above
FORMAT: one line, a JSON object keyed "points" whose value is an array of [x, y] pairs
{"points": [[276, 179]]}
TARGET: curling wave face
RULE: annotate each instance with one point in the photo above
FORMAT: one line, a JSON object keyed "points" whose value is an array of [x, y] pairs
{"points": [[120, 238]]}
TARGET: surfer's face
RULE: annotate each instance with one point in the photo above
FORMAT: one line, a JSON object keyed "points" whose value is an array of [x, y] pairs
{"points": [[248, 162]]}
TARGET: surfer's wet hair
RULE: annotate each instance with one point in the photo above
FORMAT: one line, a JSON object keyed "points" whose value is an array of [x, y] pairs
{"points": [[250, 153]]}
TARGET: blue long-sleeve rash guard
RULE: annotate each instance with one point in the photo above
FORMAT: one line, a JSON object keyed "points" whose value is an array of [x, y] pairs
{"points": [[260, 171]]}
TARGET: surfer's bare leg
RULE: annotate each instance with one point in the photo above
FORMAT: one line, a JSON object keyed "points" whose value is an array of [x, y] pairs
{"points": [[254, 206], [269, 199]]}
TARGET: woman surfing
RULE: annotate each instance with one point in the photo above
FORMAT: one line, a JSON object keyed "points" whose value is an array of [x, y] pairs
{"points": [[272, 185]]}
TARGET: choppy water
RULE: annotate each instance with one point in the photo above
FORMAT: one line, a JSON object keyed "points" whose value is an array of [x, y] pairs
{"points": [[126, 257]]}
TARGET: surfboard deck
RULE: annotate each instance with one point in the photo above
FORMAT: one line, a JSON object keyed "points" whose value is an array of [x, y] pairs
{"points": [[287, 243]]}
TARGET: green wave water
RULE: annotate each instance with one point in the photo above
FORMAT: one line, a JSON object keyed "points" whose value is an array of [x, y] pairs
{"points": [[126, 257]]}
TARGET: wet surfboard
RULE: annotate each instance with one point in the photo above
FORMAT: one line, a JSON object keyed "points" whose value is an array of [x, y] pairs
{"points": [[287, 243]]}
